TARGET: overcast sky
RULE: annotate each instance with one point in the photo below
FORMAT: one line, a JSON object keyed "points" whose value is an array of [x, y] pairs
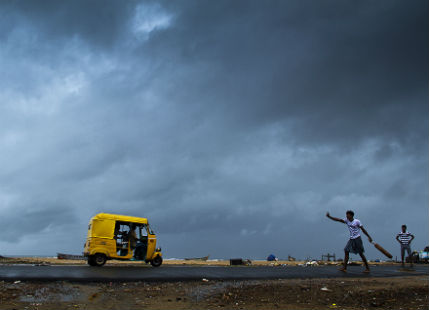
{"points": [[233, 126]]}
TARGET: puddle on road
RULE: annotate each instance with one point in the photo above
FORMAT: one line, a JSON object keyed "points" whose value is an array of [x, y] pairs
{"points": [[53, 293]]}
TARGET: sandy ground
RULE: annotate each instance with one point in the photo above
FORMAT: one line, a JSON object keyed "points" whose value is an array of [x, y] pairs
{"points": [[366, 293]]}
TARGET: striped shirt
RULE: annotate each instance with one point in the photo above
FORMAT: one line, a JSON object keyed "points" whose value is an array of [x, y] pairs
{"points": [[404, 237]]}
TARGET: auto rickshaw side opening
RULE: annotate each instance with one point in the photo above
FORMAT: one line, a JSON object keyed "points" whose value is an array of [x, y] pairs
{"points": [[134, 235]]}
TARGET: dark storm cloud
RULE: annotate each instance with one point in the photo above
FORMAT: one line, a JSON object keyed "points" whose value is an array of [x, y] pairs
{"points": [[96, 21], [355, 71], [352, 66], [31, 218], [231, 125]]}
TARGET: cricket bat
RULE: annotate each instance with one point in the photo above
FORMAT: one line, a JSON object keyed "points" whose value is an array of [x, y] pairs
{"points": [[381, 249]]}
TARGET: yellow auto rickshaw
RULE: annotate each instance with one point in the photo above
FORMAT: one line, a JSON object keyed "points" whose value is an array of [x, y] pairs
{"points": [[112, 236]]}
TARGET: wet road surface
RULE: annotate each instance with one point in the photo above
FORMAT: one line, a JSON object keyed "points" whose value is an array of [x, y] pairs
{"points": [[189, 273]]}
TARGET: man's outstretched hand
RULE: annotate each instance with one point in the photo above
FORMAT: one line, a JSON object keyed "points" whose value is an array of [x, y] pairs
{"points": [[327, 214]]}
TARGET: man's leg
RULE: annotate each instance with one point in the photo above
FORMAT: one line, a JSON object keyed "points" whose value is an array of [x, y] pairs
{"points": [[402, 255], [346, 260], [364, 261], [409, 256]]}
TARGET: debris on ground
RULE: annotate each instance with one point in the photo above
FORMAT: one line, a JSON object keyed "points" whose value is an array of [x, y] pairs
{"points": [[235, 261], [310, 294], [240, 261], [312, 263], [42, 264], [247, 262]]}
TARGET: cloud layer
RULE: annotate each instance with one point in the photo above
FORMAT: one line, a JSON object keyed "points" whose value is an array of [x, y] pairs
{"points": [[232, 126]]}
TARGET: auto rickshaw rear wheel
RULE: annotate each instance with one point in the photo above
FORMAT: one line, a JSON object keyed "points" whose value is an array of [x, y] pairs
{"points": [[98, 259], [156, 262], [91, 261]]}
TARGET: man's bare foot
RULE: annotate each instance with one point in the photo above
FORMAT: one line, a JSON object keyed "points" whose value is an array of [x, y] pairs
{"points": [[366, 271], [343, 269]]}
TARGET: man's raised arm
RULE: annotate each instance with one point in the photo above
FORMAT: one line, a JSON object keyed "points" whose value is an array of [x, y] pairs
{"points": [[334, 218]]}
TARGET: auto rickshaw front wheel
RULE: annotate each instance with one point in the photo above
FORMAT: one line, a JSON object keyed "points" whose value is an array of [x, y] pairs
{"points": [[156, 262], [97, 260]]}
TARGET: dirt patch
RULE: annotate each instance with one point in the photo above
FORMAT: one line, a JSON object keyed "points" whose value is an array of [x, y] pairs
{"points": [[381, 293]]}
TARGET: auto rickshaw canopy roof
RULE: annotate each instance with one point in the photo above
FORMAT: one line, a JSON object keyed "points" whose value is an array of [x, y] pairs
{"points": [[122, 218]]}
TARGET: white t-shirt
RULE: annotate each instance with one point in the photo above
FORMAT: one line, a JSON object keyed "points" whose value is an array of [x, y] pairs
{"points": [[354, 228]]}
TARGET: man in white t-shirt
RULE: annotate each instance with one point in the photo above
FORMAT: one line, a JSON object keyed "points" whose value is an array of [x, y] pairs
{"points": [[354, 244]]}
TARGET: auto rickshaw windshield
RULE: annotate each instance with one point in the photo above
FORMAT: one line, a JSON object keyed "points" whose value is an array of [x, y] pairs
{"points": [[150, 229]]}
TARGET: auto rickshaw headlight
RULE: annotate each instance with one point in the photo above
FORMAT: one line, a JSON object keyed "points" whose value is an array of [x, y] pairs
{"points": [[158, 249]]}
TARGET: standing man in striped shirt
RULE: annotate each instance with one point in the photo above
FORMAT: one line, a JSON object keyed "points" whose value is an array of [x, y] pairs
{"points": [[405, 238]]}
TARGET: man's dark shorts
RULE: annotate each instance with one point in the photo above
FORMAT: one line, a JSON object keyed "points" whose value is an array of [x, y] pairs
{"points": [[355, 246]]}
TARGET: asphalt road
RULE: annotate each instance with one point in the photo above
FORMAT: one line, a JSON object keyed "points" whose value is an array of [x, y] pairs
{"points": [[189, 273]]}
